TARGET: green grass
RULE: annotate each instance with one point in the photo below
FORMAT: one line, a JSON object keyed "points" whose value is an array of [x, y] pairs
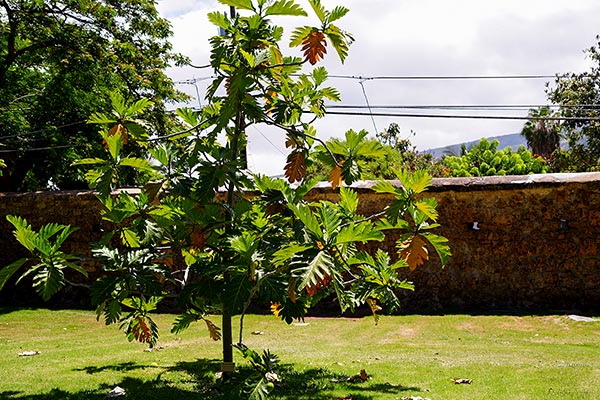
{"points": [[508, 357]]}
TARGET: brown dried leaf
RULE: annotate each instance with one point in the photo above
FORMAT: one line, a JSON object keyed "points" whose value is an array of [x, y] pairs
{"points": [[314, 47], [311, 290], [295, 169], [291, 290], [335, 177], [414, 251], [141, 331], [119, 129], [213, 330], [198, 239]]}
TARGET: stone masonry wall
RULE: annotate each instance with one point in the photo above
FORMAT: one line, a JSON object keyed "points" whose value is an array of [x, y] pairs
{"points": [[535, 245]]}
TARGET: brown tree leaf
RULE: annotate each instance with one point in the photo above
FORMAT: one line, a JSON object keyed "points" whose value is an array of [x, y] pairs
{"points": [[141, 331], [213, 330], [335, 177], [295, 169], [314, 47], [414, 251], [311, 290], [119, 129]]}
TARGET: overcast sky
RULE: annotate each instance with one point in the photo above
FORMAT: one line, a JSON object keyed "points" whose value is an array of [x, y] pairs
{"points": [[419, 38]]}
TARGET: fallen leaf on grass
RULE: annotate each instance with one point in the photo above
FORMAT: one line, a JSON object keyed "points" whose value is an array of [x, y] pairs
{"points": [[360, 377], [414, 398], [257, 333], [151, 349], [458, 381], [29, 353], [116, 392]]}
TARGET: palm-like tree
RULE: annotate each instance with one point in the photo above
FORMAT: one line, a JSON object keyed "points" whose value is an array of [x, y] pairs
{"points": [[542, 135]]}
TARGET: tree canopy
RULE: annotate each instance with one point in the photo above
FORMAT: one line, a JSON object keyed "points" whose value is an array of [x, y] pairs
{"points": [[58, 62], [578, 94]]}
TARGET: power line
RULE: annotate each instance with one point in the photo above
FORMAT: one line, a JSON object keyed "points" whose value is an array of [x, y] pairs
{"points": [[43, 130], [463, 106], [444, 77], [40, 149], [448, 116]]}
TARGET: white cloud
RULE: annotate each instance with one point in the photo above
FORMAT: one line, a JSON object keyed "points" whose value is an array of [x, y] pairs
{"points": [[417, 38]]}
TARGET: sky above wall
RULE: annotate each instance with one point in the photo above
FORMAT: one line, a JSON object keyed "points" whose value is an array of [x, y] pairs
{"points": [[421, 38]]}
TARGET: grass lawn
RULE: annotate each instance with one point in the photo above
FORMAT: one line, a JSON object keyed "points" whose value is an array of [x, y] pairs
{"points": [[507, 357]]}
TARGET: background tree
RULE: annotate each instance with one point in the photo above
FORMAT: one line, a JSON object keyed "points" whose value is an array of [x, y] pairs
{"points": [[58, 62], [484, 159], [542, 136], [578, 96], [378, 158]]}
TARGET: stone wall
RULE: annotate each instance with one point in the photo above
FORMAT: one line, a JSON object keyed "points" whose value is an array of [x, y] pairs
{"points": [[534, 247]]}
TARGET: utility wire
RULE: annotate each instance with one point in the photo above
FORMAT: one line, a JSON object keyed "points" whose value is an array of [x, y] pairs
{"points": [[447, 116], [464, 106], [40, 149]]}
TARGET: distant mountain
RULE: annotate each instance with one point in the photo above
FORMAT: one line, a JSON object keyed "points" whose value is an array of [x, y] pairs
{"points": [[513, 140]]}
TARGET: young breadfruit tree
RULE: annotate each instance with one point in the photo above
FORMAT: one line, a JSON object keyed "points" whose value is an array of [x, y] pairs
{"points": [[204, 228]]}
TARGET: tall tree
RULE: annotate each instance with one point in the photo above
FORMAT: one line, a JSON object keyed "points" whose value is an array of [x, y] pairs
{"points": [[578, 96], [542, 135], [219, 251], [58, 62]]}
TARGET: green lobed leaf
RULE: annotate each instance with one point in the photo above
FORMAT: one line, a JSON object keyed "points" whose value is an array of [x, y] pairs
{"points": [[243, 4], [316, 269], [139, 106], [48, 281], [427, 207], [91, 161], [299, 34], [305, 215], [23, 232], [348, 200], [286, 252], [7, 272], [440, 244], [362, 232], [318, 9], [337, 13], [285, 7], [137, 163]]}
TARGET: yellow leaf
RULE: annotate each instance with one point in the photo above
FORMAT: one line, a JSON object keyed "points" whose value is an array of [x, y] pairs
{"points": [[335, 177], [213, 330], [291, 143], [414, 251], [374, 309], [276, 309]]}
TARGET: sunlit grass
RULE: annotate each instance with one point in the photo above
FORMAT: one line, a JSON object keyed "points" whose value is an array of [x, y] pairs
{"points": [[507, 357]]}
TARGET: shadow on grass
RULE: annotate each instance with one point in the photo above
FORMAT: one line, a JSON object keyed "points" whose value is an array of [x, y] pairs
{"points": [[197, 380]]}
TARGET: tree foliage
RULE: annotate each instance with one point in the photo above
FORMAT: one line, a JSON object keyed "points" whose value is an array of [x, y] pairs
{"points": [[484, 159], [542, 135], [577, 94], [378, 158], [59, 61], [218, 237]]}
